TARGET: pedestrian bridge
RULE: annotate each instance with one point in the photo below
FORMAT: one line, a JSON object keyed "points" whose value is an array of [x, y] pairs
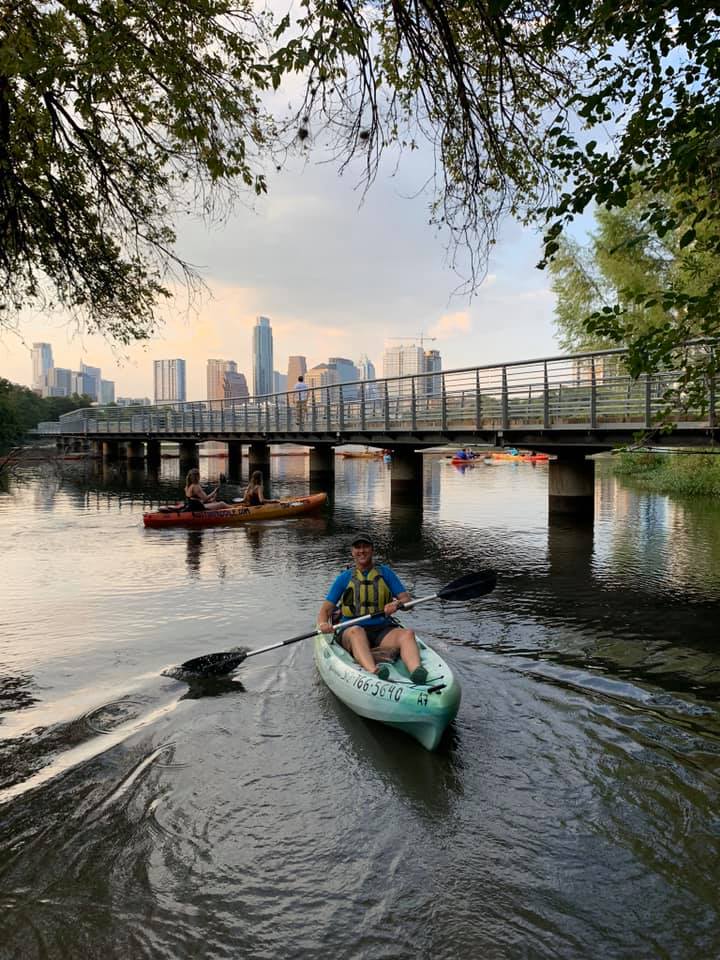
{"points": [[570, 406]]}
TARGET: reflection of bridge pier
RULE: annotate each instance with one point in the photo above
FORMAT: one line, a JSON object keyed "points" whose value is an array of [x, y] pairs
{"points": [[571, 485], [570, 551]]}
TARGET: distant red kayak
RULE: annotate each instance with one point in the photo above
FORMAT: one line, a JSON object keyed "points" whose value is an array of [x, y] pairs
{"points": [[173, 516]]}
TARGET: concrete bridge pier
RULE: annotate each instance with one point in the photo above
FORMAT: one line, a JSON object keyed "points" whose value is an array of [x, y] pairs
{"points": [[259, 458], [152, 453], [571, 486], [110, 449], [322, 465], [406, 476], [135, 450], [189, 456], [234, 462]]}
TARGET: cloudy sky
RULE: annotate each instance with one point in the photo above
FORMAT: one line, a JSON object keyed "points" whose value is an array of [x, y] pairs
{"points": [[336, 273]]}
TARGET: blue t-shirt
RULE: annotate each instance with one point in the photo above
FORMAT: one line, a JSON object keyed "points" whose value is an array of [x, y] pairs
{"points": [[341, 582]]}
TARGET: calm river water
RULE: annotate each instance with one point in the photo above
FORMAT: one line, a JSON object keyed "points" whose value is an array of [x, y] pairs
{"points": [[572, 811]]}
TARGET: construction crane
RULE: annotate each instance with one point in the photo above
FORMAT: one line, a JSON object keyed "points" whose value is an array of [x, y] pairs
{"points": [[422, 338]]}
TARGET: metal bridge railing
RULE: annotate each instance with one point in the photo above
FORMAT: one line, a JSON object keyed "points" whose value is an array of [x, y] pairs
{"points": [[591, 390]]}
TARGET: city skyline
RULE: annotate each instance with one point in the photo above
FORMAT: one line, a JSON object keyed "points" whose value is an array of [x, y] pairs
{"points": [[222, 378], [374, 269]]}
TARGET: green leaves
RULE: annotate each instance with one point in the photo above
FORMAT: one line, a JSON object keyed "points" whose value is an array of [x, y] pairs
{"points": [[106, 111]]}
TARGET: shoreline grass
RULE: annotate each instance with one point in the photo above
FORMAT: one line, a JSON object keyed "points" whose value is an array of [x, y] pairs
{"points": [[686, 474]]}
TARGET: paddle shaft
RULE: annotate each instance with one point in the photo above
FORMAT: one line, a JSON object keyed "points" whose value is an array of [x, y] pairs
{"points": [[464, 588], [306, 636], [344, 624]]}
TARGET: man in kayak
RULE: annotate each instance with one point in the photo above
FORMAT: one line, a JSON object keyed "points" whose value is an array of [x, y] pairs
{"points": [[374, 589]]}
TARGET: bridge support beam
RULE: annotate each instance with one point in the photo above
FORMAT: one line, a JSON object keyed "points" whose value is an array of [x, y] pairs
{"points": [[571, 486], [135, 450], [110, 449], [406, 477], [322, 464], [234, 462], [152, 452], [189, 456]]}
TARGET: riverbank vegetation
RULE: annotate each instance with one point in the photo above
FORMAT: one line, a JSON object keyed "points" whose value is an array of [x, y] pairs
{"points": [[695, 473], [21, 410]]}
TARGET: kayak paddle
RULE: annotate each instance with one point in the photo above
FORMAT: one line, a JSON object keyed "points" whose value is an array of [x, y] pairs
{"points": [[468, 587]]}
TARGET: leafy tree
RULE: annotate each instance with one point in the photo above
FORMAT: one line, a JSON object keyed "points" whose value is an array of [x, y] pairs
{"points": [[113, 117], [538, 109], [631, 285], [21, 409]]}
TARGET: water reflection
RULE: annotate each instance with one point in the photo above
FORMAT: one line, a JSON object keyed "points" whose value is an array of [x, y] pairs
{"points": [[431, 782], [17, 691], [588, 730], [193, 552]]}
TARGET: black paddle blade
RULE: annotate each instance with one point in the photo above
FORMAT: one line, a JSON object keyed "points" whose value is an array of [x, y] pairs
{"points": [[471, 585], [214, 664]]}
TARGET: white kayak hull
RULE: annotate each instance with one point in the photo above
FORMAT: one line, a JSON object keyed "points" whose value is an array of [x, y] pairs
{"points": [[423, 711]]}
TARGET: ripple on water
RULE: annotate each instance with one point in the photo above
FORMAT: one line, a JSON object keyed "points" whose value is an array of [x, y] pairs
{"points": [[571, 808]]}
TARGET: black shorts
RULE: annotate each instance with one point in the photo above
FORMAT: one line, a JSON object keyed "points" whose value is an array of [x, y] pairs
{"points": [[375, 633]]}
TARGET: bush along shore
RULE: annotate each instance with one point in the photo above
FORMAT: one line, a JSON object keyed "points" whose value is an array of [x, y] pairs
{"points": [[691, 473]]}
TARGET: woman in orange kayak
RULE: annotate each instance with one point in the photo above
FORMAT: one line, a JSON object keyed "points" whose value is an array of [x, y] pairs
{"points": [[254, 491], [196, 497]]}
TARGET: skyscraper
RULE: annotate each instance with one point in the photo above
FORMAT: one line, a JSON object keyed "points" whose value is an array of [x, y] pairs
{"points": [[235, 386], [366, 367], [400, 361], [107, 391], [92, 380], [83, 384], [57, 382], [42, 360], [262, 357], [216, 371], [297, 367], [321, 375], [433, 362], [169, 380], [347, 372], [280, 382]]}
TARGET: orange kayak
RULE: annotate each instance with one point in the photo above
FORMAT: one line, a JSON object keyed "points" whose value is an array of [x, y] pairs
{"points": [[176, 516], [520, 456]]}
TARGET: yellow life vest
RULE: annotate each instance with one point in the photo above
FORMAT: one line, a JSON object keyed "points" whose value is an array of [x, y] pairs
{"points": [[367, 593]]}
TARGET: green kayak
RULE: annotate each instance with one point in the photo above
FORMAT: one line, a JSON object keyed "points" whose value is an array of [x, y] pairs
{"points": [[422, 711]]}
